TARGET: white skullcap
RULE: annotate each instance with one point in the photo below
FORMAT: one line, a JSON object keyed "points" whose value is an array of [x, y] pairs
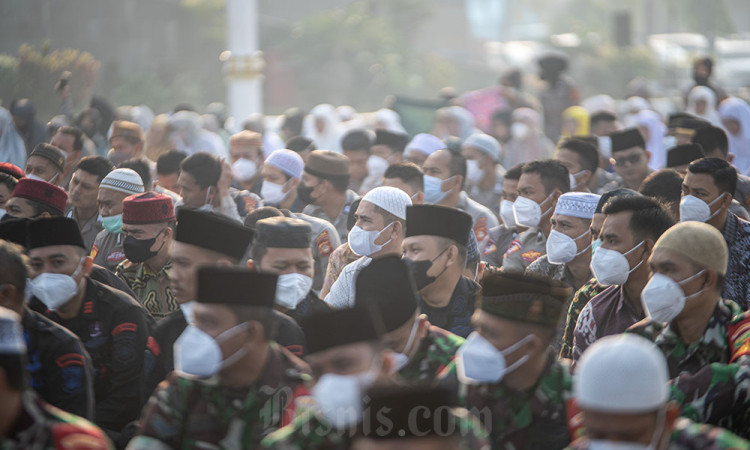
{"points": [[11, 333], [624, 374], [322, 111], [485, 143], [577, 204], [391, 199], [288, 162], [123, 180], [425, 143]]}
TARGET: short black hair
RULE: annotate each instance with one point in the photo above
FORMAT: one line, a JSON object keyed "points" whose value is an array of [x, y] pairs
{"points": [[457, 166], [96, 165], [588, 155], [76, 133], [141, 167], [724, 175], [300, 144], [169, 162], [712, 139], [552, 173], [664, 185], [407, 172], [204, 167], [706, 61], [650, 218], [293, 121], [601, 116], [9, 181], [514, 173], [13, 267], [357, 140]]}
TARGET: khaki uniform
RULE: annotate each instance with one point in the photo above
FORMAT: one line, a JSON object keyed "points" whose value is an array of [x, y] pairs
{"points": [[107, 250], [89, 228], [524, 250], [483, 219], [339, 222]]}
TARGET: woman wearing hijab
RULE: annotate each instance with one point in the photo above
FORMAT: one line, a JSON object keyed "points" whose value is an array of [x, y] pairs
{"points": [[12, 147], [701, 101], [388, 119], [652, 128], [575, 122], [454, 121], [323, 127], [528, 141], [735, 116]]}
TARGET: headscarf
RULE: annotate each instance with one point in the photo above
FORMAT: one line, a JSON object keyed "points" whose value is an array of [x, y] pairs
{"points": [[634, 105], [739, 144], [190, 137], [709, 97], [12, 147], [601, 102], [330, 138], [656, 132], [581, 116], [388, 119]]}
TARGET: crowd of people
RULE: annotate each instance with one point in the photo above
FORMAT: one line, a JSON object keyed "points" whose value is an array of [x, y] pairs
{"points": [[533, 273]]}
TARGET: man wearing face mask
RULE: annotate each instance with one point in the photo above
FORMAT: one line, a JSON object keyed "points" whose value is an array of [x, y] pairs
{"points": [[484, 174], [386, 150], [444, 180], [233, 383], [706, 196], [569, 253], [420, 350], [113, 327], [281, 246], [500, 237], [115, 187], [147, 227], [33, 199], [506, 366], [282, 173], [539, 187], [621, 386], [345, 359], [581, 158], [715, 144], [632, 226], [435, 253], [379, 231], [324, 189], [46, 163], [247, 160]]}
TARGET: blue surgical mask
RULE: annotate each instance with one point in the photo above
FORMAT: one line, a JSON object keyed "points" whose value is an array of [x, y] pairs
{"points": [[594, 245], [433, 189]]}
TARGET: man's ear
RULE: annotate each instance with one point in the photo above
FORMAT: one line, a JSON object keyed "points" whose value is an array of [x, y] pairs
{"points": [[648, 156], [8, 294], [727, 200], [730, 157]]}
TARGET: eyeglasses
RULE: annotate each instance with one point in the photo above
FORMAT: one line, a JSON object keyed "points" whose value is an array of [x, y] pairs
{"points": [[625, 160]]}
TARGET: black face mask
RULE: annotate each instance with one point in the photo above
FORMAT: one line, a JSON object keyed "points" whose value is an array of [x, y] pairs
{"points": [[418, 270], [7, 217], [139, 250], [304, 193]]}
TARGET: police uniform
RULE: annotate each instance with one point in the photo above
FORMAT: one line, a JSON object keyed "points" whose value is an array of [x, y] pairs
{"points": [[192, 412], [89, 228], [107, 250], [483, 219], [524, 250], [499, 240], [536, 418], [339, 222]]}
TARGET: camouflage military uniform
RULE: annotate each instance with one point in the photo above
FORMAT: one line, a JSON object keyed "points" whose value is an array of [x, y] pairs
{"points": [[436, 351], [309, 431], [42, 427], [580, 299], [152, 290], [688, 435], [186, 412], [107, 250], [533, 419]]}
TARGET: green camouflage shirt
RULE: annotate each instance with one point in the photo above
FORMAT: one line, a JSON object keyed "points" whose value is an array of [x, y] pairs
{"points": [[187, 412], [580, 299], [309, 431], [436, 351], [688, 435], [533, 419]]}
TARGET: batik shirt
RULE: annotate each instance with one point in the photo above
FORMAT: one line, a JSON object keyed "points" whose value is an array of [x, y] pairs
{"points": [[44, 427], [340, 258], [581, 298], [436, 351], [188, 412], [152, 290], [737, 279]]}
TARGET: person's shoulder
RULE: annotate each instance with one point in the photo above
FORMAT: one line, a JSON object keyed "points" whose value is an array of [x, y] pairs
{"points": [[299, 434], [541, 266], [46, 327], [116, 301], [699, 435], [604, 296]]}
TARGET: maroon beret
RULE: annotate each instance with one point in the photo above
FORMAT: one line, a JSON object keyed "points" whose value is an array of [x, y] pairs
{"points": [[41, 192], [146, 208], [12, 170]]}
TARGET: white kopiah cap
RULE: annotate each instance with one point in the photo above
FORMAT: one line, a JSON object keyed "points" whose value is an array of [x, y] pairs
{"points": [[288, 162], [11, 333], [622, 374], [425, 143], [485, 143], [577, 204], [123, 180], [391, 199]]}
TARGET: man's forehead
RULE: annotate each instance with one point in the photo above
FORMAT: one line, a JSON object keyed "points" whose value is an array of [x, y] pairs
{"points": [[55, 250], [702, 180], [529, 179], [570, 219], [199, 254], [38, 161], [438, 159], [422, 239], [617, 223], [365, 208], [280, 253]]}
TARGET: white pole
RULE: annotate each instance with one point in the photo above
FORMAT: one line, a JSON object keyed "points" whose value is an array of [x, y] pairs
{"points": [[243, 60]]}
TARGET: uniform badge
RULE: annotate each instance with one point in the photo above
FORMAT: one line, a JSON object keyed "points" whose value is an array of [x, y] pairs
{"points": [[739, 339], [94, 251], [116, 257], [250, 203], [514, 246], [531, 256], [323, 242]]}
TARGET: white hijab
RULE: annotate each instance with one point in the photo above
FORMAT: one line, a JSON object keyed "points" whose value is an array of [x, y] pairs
{"points": [[708, 96], [330, 137], [739, 144], [12, 148]]}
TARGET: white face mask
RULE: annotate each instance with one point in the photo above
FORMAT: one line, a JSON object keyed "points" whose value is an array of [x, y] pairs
{"points": [[506, 213], [55, 289], [562, 248], [339, 397], [376, 166], [574, 180], [207, 206], [272, 193], [363, 242], [473, 172], [668, 142], [244, 169], [520, 131], [694, 209], [187, 311], [611, 267], [528, 213], [400, 360], [599, 444], [31, 176], [480, 362], [197, 353], [663, 298], [291, 289], [2, 212]]}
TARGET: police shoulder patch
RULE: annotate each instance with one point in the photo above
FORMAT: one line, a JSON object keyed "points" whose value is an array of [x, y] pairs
{"points": [[323, 242], [739, 338]]}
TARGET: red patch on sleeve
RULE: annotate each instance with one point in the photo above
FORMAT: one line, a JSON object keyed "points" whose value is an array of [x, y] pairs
{"points": [[480, 229], [323, 242], [70, 359], [514, 246], [739, 339], [291, 409], [296, 350], [78, 437], [127, 326], [575, 419], [250, 203], [153, 346]]}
